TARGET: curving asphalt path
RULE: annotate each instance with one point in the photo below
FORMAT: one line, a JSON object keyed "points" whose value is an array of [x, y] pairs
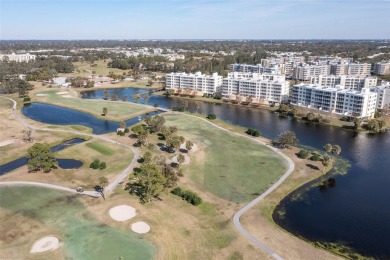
{"points": [[123, 175], [238, 214], [110, 186]]}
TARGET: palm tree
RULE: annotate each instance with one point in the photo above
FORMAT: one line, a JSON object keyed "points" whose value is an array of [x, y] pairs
{"points": [[326, 161], [106, 95]]}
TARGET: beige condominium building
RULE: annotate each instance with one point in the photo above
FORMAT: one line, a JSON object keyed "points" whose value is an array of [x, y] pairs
{"points": [[349, 82]]}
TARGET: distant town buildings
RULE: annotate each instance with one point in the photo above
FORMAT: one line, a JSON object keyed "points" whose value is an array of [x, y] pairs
{"points": [[17, 57], [382, 68], [349, 82], [383, 91], [197, 82], [363, 69], [337, 100], [304, 72]]}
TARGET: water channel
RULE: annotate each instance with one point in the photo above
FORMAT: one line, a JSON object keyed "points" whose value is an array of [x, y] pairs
{"points": [[355, 213]]}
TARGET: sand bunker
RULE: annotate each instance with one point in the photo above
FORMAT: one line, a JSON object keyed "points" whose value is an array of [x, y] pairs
{"points": [[7, 142], [40, 95], [44, 244], [140, 227], [62, 92], [67, 96], [122, 213]]}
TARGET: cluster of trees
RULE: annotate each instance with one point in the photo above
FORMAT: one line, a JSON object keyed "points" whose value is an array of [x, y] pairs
{"points": [[375, 125], [189, 196], [287, 110], [253, 132], [326, 159], [312, 117], [97, 164], [40, 158], [81, 82], [211, 116], [19, 86], [153, 63]]}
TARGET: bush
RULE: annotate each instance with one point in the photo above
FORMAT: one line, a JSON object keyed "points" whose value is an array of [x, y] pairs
{"points": [[150, 147], [189, 196], [26, 99], [304, 154], [315, 157], [253, 132], [102, 166], [212, 116], [126, 130], [95, 164], [179, 109], [120, 133]]}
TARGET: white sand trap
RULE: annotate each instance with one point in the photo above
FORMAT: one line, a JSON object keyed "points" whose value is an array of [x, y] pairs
{"points": [[44, 244], [67, 96], [62, 92], [40, 95], [122, 213], [7, 142], [140, 227]]}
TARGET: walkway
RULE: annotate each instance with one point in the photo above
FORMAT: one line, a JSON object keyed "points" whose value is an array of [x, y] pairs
{"points": [[121, 177], [238, 214]]}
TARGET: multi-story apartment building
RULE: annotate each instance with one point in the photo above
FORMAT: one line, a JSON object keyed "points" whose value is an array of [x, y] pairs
{"points": [[337, 100], [382, 68], [305, 72], [206, 84], [255, 68], [383, 91], [272, 88], [329, 59], [363, 69], [17, 57], [349, 82]]}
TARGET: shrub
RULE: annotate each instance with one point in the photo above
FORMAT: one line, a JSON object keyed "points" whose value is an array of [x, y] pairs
{"points": [[304, 154], [150, 147], [189, 196], [102, 166], [315, 157], [253, 132], [120, 133], [95, 164], [179, 109], [26, 99], [126, 130], [212, 116]]}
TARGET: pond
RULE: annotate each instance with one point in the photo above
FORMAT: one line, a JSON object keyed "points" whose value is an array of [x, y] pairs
{"points": [[52, 114], [62, 163], [355, 213]]}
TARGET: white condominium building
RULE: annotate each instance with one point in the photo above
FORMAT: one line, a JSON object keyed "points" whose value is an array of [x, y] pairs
{"points": [[383, 91], [337, 100], [349, 82], [17, 57], [255, 68], [206, 84], [382, 68], [351, 69], [272, 88], [305, 72]]}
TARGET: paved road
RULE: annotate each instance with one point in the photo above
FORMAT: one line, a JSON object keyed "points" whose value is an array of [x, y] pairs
{"points": [[238, 214], [121, 177]]}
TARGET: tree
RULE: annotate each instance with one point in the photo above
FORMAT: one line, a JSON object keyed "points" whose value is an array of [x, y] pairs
{"points": [[95, 164], [122, 124], [150, 82], [41, 158], [105, 111], [147, 158], [114, 97], [180, 159], [152, 181], [311, 117], [28, 135], [336, 149], [143, 137], [303, 154], [137, 97], [103, 182], [286, 139], [106, 95], [146, 98], [326, 161], [356, 124], [328, 148], [189, 145], [125, 98], [155, 123]]}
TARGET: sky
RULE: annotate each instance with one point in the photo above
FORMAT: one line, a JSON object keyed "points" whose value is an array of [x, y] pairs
{"points": [[194, 19]]}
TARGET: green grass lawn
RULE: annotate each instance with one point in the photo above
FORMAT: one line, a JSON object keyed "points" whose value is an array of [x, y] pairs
{"points": [[232, 167], [117, 111], [100, 148]]}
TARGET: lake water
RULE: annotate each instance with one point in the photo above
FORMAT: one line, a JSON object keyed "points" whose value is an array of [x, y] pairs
{"points": [[356, 212], [52, 114], [62, 163]]}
